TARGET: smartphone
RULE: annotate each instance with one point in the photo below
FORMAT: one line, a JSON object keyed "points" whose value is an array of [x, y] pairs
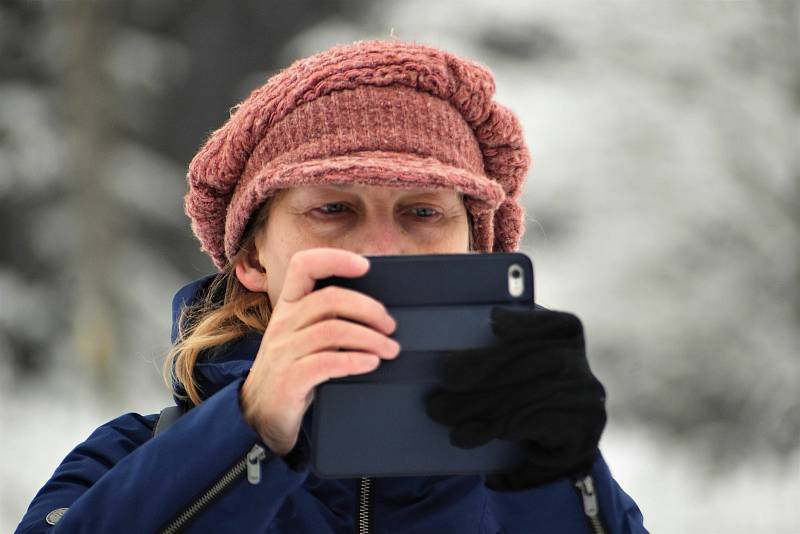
{"points": [[374, 424]]}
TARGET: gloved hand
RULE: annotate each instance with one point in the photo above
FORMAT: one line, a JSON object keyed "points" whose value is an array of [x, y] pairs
{"points": [[534, 385]]}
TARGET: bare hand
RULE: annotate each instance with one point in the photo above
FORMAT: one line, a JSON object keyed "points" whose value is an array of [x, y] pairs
{"points": [[300, 346]]}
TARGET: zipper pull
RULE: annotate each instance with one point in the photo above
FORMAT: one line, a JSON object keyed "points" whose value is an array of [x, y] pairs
{"points": [[586, 486], [254, 458]]}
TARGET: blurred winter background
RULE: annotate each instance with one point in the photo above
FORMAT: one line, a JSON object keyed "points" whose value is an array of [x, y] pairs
{"points": [[663, 209]]}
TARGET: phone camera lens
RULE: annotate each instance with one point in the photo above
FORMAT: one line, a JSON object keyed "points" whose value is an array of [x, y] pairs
{"points": [[516, 282]]}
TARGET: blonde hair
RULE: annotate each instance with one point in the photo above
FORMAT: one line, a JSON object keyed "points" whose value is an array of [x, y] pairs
{"points": [[213, 320], [218, 318]]}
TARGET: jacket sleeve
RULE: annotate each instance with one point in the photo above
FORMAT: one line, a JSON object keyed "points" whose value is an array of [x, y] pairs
{"points": [[120, 480], [559, 507]]}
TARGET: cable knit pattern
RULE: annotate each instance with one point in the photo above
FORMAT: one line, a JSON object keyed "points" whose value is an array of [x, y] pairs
{"points": [[373, 112]]}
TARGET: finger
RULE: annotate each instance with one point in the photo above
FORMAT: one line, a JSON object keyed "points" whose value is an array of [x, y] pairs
{"points": [[507, 404], [555, 424], [452, 409], [471, 434], [512, 324], [308, 266], [333, 334], [546, 426], [533, 334], [463, 370], [531, 361], [323, 366], [333, 301]]}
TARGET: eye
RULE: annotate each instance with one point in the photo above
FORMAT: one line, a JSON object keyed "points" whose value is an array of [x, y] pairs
{"points": [[331, 208], [425, 213]]}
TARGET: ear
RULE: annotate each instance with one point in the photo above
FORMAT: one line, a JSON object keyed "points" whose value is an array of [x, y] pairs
{"points": [[251, 273]]}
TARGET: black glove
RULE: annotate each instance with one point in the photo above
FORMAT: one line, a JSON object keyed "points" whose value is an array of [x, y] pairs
{"points": [[534, 385]]}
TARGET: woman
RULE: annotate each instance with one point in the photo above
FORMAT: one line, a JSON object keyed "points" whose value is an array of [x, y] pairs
{"points": [[364, 149]]}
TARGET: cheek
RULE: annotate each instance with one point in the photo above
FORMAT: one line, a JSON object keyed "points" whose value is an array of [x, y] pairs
{"points": [[459, 243], [274, 257], [461, 235], [283, 240], [274, 284], [454, 240], [275, 273]]}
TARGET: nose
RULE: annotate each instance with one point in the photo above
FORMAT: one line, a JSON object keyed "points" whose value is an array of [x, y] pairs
{"points": [[382, 238]]}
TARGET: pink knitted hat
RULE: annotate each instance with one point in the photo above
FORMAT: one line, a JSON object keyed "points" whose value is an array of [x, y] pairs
{"points": [[373, 112]]}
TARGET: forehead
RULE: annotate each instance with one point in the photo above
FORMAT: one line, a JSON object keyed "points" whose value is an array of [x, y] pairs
{"points": [[368, 191]]}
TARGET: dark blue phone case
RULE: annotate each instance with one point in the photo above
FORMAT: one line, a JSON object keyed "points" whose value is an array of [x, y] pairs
{"points": [[375, 424]]}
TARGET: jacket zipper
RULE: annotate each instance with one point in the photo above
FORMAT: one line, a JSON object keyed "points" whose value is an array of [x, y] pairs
{"points": [[364, 505], [251, 463], [590, 507]]}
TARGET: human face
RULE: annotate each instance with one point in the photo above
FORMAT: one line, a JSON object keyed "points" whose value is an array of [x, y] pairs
{"points": [[368, 220]]}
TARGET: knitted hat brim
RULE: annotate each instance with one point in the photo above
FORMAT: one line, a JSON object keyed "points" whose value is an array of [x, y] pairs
{"points": [[389, 169]]}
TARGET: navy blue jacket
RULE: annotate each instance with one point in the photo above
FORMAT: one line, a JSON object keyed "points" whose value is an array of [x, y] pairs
{"points": [[210, 472]]}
